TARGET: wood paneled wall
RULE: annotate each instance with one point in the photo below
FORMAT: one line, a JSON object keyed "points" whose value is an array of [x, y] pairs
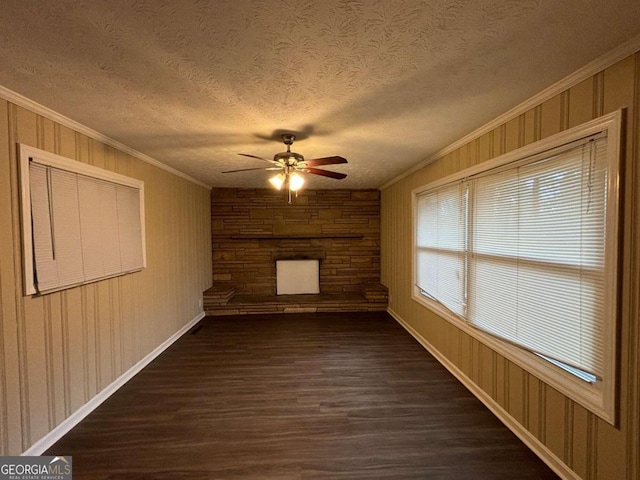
{"points": [[59, 350], [589, 446]]}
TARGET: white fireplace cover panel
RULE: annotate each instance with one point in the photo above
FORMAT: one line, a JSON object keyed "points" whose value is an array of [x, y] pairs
{"points": [[297, 277]]}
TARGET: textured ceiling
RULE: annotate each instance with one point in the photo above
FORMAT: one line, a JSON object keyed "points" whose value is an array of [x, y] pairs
{"points": [[383, 83]]}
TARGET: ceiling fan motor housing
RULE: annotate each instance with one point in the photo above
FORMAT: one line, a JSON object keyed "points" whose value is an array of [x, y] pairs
{"points": [[288, 158]]}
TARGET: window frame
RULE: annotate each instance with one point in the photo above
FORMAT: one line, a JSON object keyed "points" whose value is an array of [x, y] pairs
{"points": [[28, 153], [598, 397]]}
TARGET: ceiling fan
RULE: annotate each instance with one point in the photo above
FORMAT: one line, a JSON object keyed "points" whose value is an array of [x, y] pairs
{"points": [[291, 164]]}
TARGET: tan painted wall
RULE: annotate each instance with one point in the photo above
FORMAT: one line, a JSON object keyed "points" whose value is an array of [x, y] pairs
{"points": [[591, 447], [58, 351]]}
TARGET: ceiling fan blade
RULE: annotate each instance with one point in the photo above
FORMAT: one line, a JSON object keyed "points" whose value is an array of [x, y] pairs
{"points": [[324, 173], [314, 162], [256, 157], [246, 170]]}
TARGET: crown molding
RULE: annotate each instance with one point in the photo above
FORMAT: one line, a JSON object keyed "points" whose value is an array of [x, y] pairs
{"points": [[39, 109], [590, 69]]}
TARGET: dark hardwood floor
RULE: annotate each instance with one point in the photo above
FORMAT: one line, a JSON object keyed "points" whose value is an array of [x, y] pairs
{"points": [[296, 396]]}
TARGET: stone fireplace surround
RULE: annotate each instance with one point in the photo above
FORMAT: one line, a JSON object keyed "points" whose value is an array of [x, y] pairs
{"points": [[252, 228]]}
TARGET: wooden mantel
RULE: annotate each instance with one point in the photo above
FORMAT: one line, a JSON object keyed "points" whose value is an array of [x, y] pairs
{"points": [[288, 236]]}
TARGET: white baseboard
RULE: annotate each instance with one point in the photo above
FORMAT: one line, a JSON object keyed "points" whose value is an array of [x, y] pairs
{"points": [[76, 417], [535, 445]]}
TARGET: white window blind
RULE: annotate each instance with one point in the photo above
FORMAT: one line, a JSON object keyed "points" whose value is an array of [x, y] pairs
{"points": [[89, 203], [57, 242], [441, 245], [129, 227], [85, 223], [520, 252], [536, 271]]}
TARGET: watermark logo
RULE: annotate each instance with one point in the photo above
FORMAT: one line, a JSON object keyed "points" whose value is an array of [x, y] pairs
{"points": [[36, 468]]}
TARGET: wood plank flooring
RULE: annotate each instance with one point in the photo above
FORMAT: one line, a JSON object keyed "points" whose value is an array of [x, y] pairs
{"points": [[296, 396]]}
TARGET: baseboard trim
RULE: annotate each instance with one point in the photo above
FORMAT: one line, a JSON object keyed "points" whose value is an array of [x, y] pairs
{"points": [[57, 433], [535, 445]]}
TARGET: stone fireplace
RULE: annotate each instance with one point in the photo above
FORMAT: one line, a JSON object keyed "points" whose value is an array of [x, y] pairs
{"points": [[252, 229]]}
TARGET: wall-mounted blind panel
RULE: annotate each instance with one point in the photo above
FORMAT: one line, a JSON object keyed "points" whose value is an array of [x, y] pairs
{"points": [[440, 245], [91, 229], [538, 250], [43, 248], [539, 260], [131, 254], [86, 223], [108, 211], [65, 220]]}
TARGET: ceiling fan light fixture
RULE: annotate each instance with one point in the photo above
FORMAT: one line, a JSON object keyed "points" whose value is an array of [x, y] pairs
{"points": [[277, 180], [295, 182]]}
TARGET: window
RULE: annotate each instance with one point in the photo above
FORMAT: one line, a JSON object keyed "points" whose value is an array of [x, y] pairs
{"points": [[80, 223], [522, 253], [441, 245]]}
